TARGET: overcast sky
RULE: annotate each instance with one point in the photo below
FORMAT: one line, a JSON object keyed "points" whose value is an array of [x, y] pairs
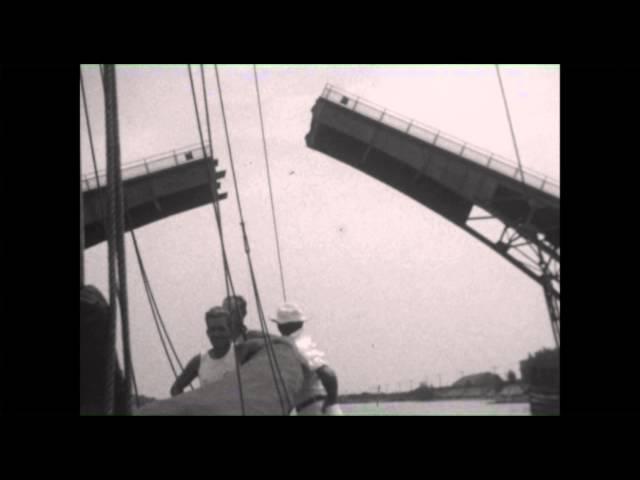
{"points": [[395, 293]]}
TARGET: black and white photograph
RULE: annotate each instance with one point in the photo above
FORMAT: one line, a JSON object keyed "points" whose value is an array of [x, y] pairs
{"points": [[319, 240]]}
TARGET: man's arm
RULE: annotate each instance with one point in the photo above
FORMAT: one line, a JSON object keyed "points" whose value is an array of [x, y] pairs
{"points": [[189, 374], [330, 383]]}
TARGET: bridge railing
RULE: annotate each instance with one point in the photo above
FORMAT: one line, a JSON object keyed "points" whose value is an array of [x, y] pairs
{"points": [[440, 139], [151, 164]]}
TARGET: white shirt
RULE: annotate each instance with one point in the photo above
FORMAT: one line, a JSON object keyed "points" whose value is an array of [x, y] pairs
{"points": [[312, 359], [213, 369]]}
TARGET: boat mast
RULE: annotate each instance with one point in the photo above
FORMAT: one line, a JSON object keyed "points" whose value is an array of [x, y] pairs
{"points": [[81, 230]]}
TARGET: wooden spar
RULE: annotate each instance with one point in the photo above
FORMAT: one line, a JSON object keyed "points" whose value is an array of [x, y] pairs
{"points": [[81, 231]]}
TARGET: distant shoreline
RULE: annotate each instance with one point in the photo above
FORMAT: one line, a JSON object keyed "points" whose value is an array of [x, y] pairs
{"points": [[386, 400], [430, 394]]}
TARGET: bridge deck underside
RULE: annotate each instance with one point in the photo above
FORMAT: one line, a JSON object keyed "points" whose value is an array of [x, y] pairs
{"points": [[442, 181], [152, 197]]}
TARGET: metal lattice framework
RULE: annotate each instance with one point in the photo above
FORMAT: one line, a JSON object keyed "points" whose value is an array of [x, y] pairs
{"points": [[528, 251]]}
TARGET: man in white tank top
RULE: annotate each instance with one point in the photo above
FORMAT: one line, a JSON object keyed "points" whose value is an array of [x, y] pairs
{"points": [[215, 363]]}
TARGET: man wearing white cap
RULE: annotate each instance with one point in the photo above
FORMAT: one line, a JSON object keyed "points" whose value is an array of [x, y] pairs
{"points": [[319, 392]]}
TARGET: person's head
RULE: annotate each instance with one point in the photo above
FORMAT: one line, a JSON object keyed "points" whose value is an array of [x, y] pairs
{"points": [[218, 327], [237, 308], [289, 319]]}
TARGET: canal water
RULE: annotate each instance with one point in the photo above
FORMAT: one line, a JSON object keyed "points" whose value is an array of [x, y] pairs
{"points": [[438, 407]]}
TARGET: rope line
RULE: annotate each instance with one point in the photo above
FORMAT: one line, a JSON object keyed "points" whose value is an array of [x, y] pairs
{"points": [[86, 114], [228, 280], [206, 109], [163, 333], [195, 104], [212, 181], [153, 312], [513, 135], [273, 208], [277, 374], [135, 389], [268, 346], [226, 133], [216, 205], [218, 216], [273, 359]]}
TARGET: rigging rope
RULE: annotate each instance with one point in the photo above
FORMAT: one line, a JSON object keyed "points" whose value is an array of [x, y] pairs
{"points": [[135, 388], [216, 207], [217, 214], [228, 279], [273, 208], [153, 312], [513, 135], [195, 104], [216, 203], [165, 338], [269, 347], [206, 109], [86, 114], [546, 286]]}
